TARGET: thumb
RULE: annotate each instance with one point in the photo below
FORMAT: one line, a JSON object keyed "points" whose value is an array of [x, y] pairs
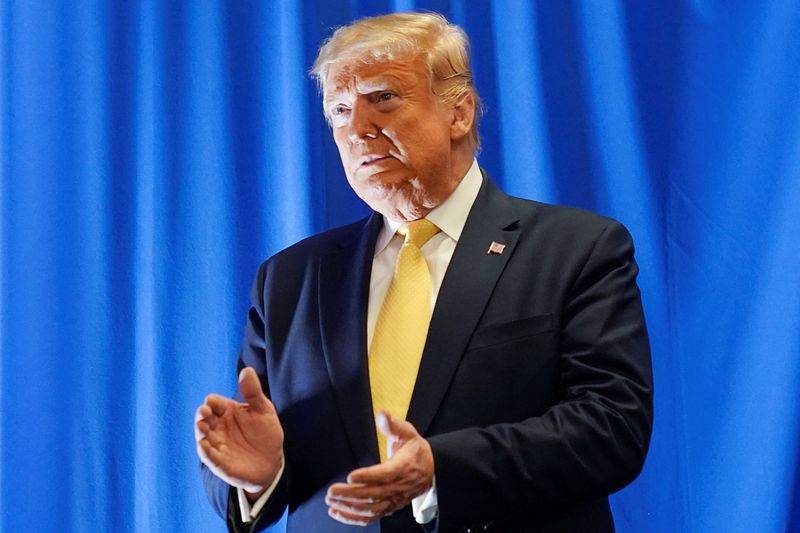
{"points": [[394, 427], [251, 391]]}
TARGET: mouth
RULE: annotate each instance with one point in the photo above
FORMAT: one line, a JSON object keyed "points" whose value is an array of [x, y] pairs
{"points": [[371, 159]]}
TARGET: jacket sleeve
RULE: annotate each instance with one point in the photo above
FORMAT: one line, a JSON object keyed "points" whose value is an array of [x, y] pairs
{"points": [[252, 353], [593, 440]]}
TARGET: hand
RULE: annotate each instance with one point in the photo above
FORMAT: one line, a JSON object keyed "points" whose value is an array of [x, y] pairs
{"points": [[241, 443], [379, 490]]}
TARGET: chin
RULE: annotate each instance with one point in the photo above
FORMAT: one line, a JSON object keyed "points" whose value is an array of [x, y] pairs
{"points": [[401, 200], [404, 209]]}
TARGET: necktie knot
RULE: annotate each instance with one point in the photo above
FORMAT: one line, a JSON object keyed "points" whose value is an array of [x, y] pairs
{"points": [[418, 232]]}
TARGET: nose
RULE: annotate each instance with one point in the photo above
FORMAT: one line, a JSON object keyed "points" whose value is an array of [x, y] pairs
{"points": [[362, 124]]}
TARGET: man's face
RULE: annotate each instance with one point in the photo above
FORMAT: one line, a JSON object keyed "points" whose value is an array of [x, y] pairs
{"points": [[393, 135]]}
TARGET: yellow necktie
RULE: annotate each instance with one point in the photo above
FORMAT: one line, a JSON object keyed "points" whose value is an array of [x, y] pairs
{"points": [[401, 328]]}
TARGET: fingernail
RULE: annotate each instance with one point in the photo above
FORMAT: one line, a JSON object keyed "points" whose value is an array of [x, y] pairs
{"points": [[241, 374]]}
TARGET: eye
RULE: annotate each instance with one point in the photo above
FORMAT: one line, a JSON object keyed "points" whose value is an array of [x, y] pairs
{"points": [[339, 110], [382, 97]]}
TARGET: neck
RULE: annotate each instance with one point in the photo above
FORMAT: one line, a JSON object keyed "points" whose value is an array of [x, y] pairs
{"points": [[461, 161]]}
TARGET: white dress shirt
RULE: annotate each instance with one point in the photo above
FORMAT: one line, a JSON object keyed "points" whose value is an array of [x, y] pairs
{"points": [[450, 217]]}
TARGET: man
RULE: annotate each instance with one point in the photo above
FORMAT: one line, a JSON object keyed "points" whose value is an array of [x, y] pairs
{"points": [[497, 344]]}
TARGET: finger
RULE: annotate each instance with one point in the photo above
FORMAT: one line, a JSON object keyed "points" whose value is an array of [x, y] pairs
{"points": [[218, 404], [214, 438], [348, 519], [394, 427], [204, 411], [251, 391], [384, 426], [201, 453], [212, 422], [363, 510], [205, 414], [197, 417], [216, 454], [359, 495], [203, 426], [380, 474], [349, 493], [367, 507]]}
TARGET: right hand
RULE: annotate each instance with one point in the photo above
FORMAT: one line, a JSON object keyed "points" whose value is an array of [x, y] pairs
{"points": [[241, 443]]}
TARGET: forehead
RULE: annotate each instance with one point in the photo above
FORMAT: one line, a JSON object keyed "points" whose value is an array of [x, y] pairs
{"points": [[357, 76]]}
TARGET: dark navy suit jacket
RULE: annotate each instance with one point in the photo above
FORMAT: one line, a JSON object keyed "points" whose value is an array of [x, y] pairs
{"points": [[534, 389]]}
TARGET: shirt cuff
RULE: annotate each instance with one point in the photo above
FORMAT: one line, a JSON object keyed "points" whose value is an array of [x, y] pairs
{"points": [[426, 506], [249, 512]]}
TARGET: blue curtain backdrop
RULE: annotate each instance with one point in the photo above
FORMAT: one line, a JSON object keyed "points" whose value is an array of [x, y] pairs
{"points": [[154, 152]]}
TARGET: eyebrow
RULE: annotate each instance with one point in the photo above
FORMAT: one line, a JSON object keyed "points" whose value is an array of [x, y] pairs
{"points": [[362, 87]]}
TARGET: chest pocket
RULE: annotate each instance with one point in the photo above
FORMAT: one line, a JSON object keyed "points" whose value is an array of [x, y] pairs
{"points": [[493, 334]]}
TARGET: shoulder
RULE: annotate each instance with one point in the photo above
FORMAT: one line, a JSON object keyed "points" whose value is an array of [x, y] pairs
{"points": [[305, 254], [563, 222], [323, 243], [568, 238], [555, 221], [570, 244]]}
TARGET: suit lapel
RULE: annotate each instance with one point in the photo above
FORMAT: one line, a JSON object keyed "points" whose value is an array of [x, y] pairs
{"points": [[466, 288], [344, 278]]}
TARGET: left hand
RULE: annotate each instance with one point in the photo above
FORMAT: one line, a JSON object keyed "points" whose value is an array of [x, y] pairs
{"points": [[379, 490]]}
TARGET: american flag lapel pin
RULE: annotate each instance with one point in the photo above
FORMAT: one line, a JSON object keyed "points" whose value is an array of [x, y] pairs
{"points": [[496, 248]]}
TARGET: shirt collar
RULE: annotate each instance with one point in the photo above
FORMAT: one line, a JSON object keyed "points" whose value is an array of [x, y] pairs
{"points": [[449, 216]]}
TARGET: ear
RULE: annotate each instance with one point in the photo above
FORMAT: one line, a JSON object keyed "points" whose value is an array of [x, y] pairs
{"points": [[463, 117]]}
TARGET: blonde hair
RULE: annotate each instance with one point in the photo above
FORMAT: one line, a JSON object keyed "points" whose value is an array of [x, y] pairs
{"points": [[444, 46]]}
